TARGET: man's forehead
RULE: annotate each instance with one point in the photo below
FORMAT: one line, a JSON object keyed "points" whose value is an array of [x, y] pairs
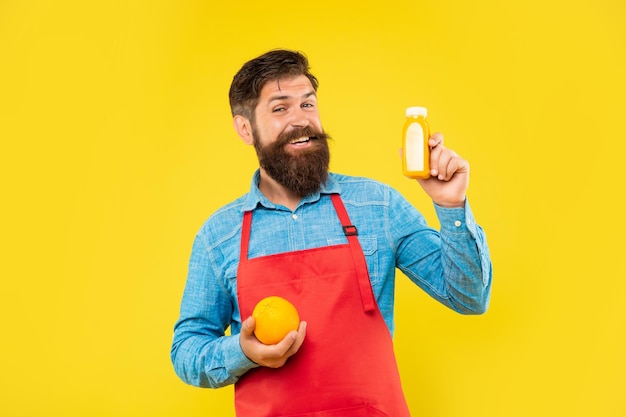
{"points": [[287, 87]]}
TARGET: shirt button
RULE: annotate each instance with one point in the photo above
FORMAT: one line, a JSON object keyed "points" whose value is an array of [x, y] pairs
{"points": [[294, 216], [457, 223]]}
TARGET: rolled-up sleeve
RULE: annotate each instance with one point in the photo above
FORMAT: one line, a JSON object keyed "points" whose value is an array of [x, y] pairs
{"points": [[466, 259], [202, 354], [453, 264]]}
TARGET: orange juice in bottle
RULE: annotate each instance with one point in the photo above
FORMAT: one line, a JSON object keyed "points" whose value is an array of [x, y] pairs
{"points": [[415, 150]]}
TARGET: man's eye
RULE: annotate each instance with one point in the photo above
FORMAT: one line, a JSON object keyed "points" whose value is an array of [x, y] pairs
{"points": [[307, 105], [279, 109]]}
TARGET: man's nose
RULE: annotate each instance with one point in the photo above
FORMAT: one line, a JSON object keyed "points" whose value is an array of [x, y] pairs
{"points": [[300, 118]]}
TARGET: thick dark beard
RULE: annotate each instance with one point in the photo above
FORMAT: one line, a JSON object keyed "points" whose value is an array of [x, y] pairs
{"points": [[302, 173]]}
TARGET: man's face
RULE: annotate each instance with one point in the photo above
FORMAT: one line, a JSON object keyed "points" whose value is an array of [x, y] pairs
{"points": [[288, 136]]}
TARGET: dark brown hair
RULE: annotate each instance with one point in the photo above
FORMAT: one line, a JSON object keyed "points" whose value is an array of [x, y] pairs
{"points": [[254, 74]]}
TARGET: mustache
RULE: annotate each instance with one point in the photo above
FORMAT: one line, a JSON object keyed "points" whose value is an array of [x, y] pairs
{"points": [[297, 133]]}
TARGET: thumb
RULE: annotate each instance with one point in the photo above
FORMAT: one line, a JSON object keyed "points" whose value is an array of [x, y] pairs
{"points": [[248, 326]]}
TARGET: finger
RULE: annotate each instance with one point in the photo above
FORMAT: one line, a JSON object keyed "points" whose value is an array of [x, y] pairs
{"points": [[248, 326], [280, 349], [435, 157], [435, 139], [299, 339], [291, 342], [447, 165]]}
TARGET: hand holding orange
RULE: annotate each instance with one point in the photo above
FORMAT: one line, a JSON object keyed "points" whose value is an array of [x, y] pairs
{"points": [[275, 317]]}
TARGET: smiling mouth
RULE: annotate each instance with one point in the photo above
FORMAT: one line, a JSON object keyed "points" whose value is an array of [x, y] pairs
{"points": [[302, 140]]}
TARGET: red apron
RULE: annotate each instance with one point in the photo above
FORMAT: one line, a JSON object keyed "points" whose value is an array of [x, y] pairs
{"points": [[346, 365]]}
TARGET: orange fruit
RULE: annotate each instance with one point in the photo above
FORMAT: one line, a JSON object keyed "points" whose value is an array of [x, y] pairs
{"points": [[275, 318]]}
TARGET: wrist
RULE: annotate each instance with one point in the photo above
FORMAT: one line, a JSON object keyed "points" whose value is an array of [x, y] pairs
{"points": [[451, 204]]}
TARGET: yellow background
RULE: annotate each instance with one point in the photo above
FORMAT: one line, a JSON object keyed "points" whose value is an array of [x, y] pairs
{"points": [[116, 144]]}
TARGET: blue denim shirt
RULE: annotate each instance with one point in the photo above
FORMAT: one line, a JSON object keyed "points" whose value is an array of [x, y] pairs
{"points": [[452, 265]]}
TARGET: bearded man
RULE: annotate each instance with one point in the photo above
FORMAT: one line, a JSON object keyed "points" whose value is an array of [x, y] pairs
{"points": [[330, 244]]}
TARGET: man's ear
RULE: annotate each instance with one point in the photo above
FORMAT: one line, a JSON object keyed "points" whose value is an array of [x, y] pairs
{"points": [[244, 129]]}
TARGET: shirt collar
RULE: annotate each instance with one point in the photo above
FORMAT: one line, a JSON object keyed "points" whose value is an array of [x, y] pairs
{"points": [[256, 197]]}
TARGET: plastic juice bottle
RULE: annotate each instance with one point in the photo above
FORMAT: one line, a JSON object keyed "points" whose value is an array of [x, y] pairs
{"points": [[415, 150]]}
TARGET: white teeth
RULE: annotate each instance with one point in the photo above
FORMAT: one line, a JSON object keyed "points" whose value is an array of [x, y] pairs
{"points": [[300, 140]]}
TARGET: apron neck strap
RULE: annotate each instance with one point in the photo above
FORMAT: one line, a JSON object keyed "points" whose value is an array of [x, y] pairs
{"points": [[351, 232], [245, 234]]}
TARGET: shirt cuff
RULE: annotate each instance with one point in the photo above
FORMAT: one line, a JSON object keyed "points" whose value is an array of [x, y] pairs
{"points": [[236, 362], [457, 219]]}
